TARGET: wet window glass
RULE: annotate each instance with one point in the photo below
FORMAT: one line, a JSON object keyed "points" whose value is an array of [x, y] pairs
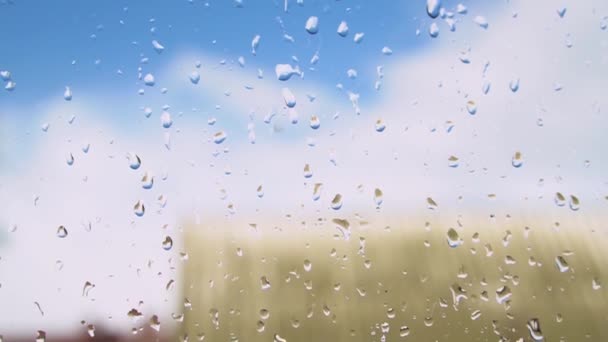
{"points": [[303, 170]]}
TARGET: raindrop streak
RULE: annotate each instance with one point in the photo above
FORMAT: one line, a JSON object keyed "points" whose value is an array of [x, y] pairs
{"points": [[342, 29], [134, 161], [139, 209], [62, 232], [517, 161], [167, 243], [312, 25], [433, 7], [288, 97]]}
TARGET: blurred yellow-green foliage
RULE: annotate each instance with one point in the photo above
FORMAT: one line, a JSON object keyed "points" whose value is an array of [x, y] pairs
{"points": [[391, 275]]}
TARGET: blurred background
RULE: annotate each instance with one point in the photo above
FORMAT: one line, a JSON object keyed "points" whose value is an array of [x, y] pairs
{"points": [[297, 170]]}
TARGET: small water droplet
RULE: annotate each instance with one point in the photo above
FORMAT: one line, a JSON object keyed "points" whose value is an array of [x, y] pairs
{"points": [[149, 80], [165, 119], [41, 336], [404, 331], [147, 181], [62, 232], [312, 25], [289, 98], [260, 326], [219, 137], [503, 294], [264, 283], [380, 126], [158, 47], [561, 263], [336, 202], [471, 107], [514, 85], [167, 243], [91, 330], [378, 197], [481, 21], [154, 323], [307, 171], [67, 94], [139, 209], [255, 42], [285, 71], [307, 265], [358, 37], [316, 192], [278, 338], [475, 315], [69, 159], [517, 161], [453, 162], [315, 123], [560, 200], [574, 203], [431, 204], [134, 160], [534, 328], [195, 77], [343, 29], [433, 30], [260, 191], [561, 11], [45, 127]]}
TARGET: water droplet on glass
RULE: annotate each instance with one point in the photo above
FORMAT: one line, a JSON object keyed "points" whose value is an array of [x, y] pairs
{"points": [[316, 192], [278, 338], [380, 126], [431, 204], [167, 243], [534, 328], [404, 331], [149, 80], [40, 336], [312, 25], [288, 97], [69, 159], [147, 181], [88, 286], [45, 127], [561, 11], [134, 161], [260, 326], [514, 85], [378, 197], [307, 171], [10, 85], [481, 21], [574, 203], [285, 71], [154, 323], [165, 119], [264, 283], [158, 47], [62, 232], [560, 200], [475, 315], [471, 107], [91, 330], [336, 202], [433, 30], [461, 9], [358, 37], [432, 8], [503, 294], [139, 209], [255, 42], [596, 284], [315, 123], [195, 77], [453, 161], [67, 94], [307, 265], [387, 51], [517, 160], [343, 29], [453, 238], [561, 263], [219, 137]]}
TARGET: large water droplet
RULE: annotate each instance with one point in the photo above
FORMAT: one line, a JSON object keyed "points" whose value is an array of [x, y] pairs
{"points": [[560, 200], [574, 203], [149, 80], [433, 30], [315, 123], [471, 107], [195, 77], [147, 181], [433, 7], [219, 137]]}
